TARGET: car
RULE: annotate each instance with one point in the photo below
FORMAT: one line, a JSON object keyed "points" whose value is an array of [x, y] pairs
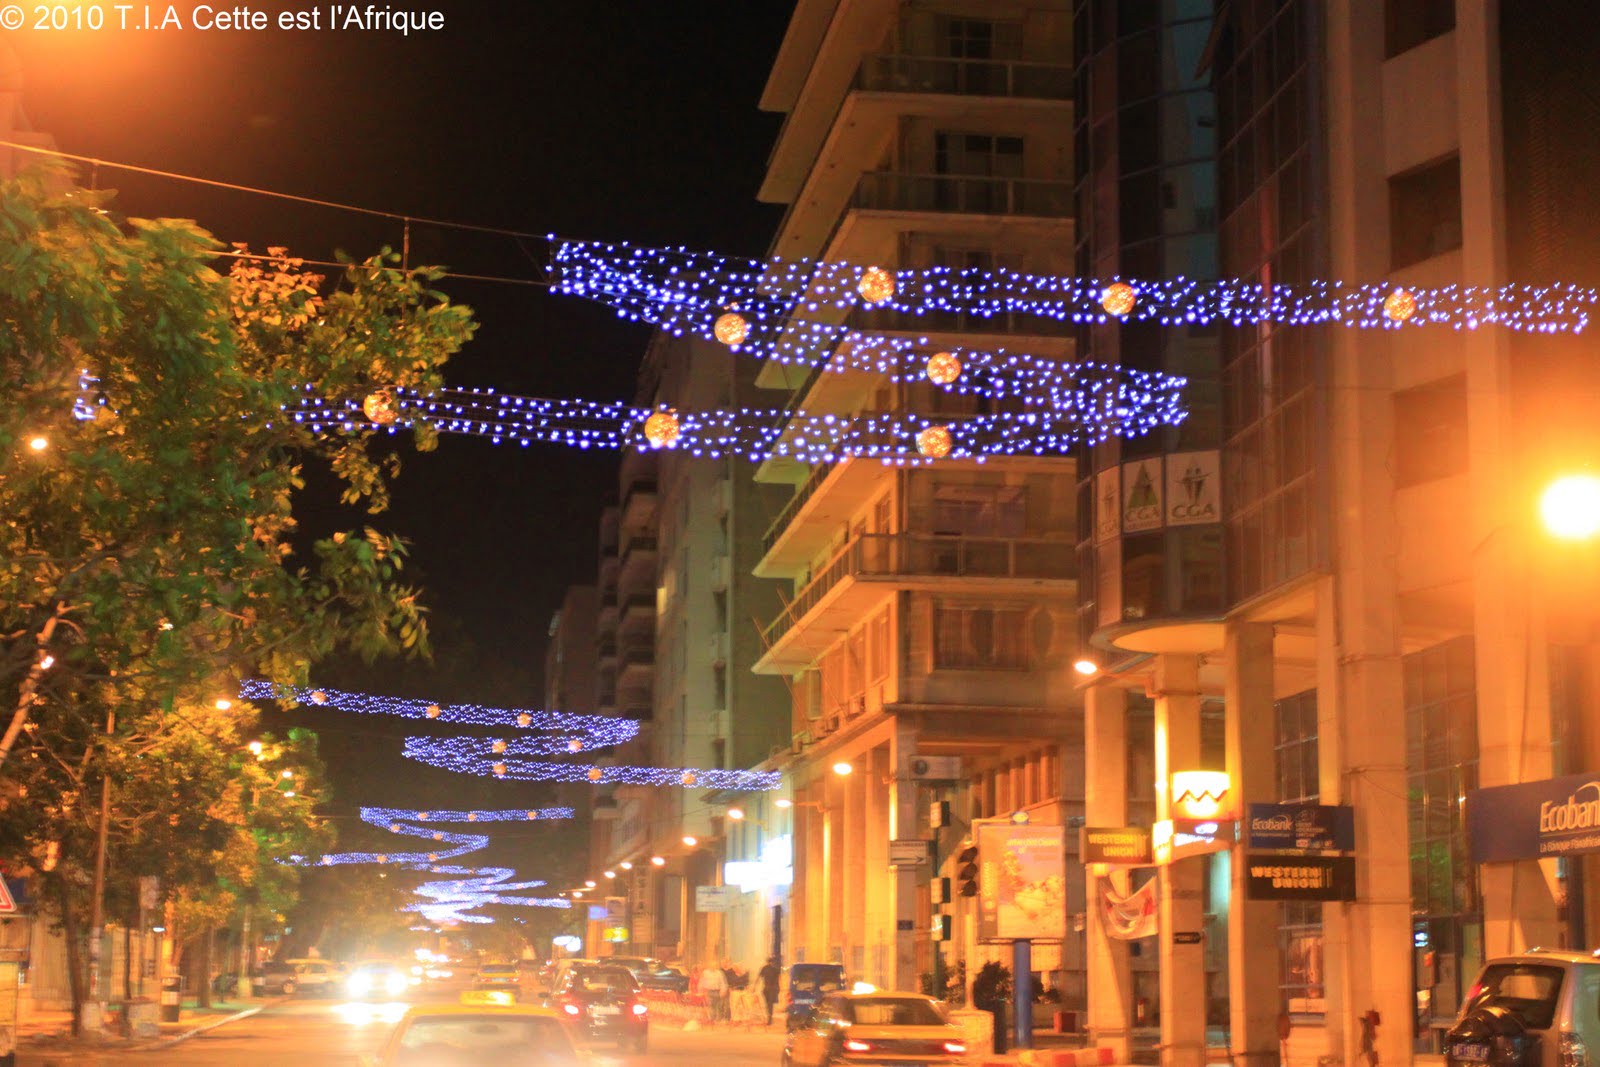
{"points": [[559, 973], [1532, 1009], [876, 1027], [638, 966], [498, 976], [808, 984], [377, 981], [601, 1002], [485, 1028], [666, 979], [297, 975]]}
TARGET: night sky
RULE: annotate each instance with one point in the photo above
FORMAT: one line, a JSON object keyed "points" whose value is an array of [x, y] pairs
{"points": [[632, 122]]}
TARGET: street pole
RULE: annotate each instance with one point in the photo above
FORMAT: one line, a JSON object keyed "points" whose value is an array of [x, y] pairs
{"points": [[1022, 992], [93, 1008]]}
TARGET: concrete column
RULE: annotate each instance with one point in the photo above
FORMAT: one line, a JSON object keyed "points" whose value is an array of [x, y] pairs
{"points": [[795, 906], [875, 828], [1105, 745], [816, 845], [852, 886], [1253, 995], [903, 823], [1181, 902], [833, 863]]}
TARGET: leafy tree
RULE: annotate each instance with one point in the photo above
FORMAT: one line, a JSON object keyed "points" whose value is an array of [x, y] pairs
{"points": [[145, 522]]}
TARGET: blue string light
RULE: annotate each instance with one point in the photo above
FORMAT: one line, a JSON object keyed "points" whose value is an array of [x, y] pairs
{"points": [[469, 756]]}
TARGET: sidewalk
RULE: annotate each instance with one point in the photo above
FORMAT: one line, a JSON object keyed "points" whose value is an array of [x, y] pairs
{"points": [[53, 1029]]}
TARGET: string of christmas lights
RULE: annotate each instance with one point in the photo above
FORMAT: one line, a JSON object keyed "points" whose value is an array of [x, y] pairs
{"points": [[1094, 403], [768, 293], [471, 887], [503, 758]]}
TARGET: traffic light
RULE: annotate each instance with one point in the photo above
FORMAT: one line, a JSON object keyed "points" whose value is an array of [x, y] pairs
{"points": [[939, 891], [941, 927], [967, 871]]}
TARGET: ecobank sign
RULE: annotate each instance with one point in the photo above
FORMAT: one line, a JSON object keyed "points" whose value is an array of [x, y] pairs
{"points": [[1536, 820]]}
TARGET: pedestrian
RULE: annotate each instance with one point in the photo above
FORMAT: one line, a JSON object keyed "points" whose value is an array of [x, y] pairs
{"points": [[769, 976], [714, 984]]}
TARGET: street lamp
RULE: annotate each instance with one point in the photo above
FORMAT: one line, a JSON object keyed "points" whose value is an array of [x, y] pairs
{"points": [[842, 768], [783, 802], [611, 874], [735, 814], [588, 883], [690, 840], [626, 865], [39, 443], [658, 861], [1570, 507], [1086, 667]]}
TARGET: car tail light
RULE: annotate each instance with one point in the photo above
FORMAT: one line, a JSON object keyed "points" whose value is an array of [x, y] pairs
{"points": [[955, 1048], [640, 1009], [1574, 1053], [853, 1045], [571, 1007]]}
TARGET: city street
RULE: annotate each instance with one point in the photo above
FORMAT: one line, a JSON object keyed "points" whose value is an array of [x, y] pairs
{"points": [[303, 1032]]}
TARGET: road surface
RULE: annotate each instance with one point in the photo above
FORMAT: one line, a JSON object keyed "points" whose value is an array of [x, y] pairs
{"points": [[303, 1032]]}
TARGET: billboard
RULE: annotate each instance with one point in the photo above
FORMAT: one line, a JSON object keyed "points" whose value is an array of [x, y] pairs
{"points": [[1535, 820], [1302, 828], [1022, 882], [1300, 877]]}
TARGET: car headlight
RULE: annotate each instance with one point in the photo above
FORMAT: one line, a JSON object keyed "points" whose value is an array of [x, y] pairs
{"points": [[359, 985], [396, 982]]}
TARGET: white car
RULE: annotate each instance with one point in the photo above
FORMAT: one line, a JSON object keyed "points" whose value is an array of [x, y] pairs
{"points": [[1536, 1009], [291, 976]]}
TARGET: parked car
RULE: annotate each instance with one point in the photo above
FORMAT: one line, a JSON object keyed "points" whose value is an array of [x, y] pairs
{"points": [[301, 975], [480, 1030], [876, 1027], [601, 1002], [1534, 1009], [498, 976], [666, 979], [638, 966], [808, 984]]}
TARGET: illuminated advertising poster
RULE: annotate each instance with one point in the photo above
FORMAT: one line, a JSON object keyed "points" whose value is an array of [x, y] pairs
{"points": [[1022, 883]]}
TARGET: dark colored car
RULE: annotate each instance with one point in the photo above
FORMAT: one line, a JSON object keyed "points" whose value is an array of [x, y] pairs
{"points": [[667, 980], [808, 984], [601, 1003]]}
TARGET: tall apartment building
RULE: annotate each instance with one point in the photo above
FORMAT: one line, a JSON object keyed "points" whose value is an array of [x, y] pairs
{"points": [[932, 608], [689, 656], [1373, 619]]}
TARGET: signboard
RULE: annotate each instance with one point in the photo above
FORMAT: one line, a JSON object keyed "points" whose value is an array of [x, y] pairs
{"points": [[1127, 846], [1141, 495], [1194, 483], [1107, 512], [1535, 820], [908, 852], [1187, 937], [8, 903], [616, 910], [1302, 828], [614, 934], [1300, 877], [597, 913], [1022, 882], [715, 897]]}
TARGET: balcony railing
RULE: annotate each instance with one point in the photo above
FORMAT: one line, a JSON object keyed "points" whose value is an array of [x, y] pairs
{"points": [[640, 603], [635, 653], [968, 77], [606, 647], [637, 545], [792, 508], [930, 556], [965, 194]]}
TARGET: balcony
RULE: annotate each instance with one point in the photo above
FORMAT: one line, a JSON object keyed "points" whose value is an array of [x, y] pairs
{"points": [[966, 77], [606, 647], [635, 702], [638, 653], [639, 605], [642, 549], [872, 565], [963, 194]]}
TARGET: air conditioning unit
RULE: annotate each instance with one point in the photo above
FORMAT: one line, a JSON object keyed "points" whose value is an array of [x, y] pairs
{"points": [[934, 768], [799, 741]]}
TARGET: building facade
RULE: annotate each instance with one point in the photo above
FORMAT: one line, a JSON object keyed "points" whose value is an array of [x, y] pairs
{"points": [[1369, 615], [929, 625]]}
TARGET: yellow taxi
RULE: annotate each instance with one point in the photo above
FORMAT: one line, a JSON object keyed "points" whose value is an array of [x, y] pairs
{"points": [[875, 1026], [487, 1026]]}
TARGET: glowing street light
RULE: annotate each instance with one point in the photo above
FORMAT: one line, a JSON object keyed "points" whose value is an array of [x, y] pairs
{"points": [[611, 874], [39, 443], [735, 814], [626, 865], [1086, 667], [842, 768], [783, 802], [658, 861], [690, 840], [256, 748], [223, 704], [588, 883], [1570, 507]]}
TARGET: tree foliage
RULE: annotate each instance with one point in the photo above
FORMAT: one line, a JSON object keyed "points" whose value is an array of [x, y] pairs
{"points": [[146, 560]]}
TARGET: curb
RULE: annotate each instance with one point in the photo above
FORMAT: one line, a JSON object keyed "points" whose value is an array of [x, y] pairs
{"points": [[167, 1043]]}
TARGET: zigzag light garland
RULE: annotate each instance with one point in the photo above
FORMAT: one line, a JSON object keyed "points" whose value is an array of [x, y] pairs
{"points": [[555, 732], [473, 887]]}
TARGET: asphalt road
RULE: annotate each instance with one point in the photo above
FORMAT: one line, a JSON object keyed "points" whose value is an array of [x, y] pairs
{"points": [[303, 1032]]}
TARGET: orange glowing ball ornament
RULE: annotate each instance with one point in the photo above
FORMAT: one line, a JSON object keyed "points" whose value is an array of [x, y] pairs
{"points": [[876, 285], [1118, 299], [934, 442], [943, 368], [381, 408], [731, 329], [1399, 305], [661, 429]]}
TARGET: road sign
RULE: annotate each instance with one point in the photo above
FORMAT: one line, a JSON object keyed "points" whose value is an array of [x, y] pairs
{"points": [[908, 852], [8, 903]]}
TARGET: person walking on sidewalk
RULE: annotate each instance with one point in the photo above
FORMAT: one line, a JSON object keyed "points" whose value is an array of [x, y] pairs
{"points": [[769, 976], [714, 984]]}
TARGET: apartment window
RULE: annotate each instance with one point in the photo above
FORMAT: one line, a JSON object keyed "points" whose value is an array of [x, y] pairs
{"points": [[878, 647], [980, 638], [982, 39], [977, 155], [1299, 923], [1425, 213], [1408, 23], [980, 510], [1430, 431]]}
